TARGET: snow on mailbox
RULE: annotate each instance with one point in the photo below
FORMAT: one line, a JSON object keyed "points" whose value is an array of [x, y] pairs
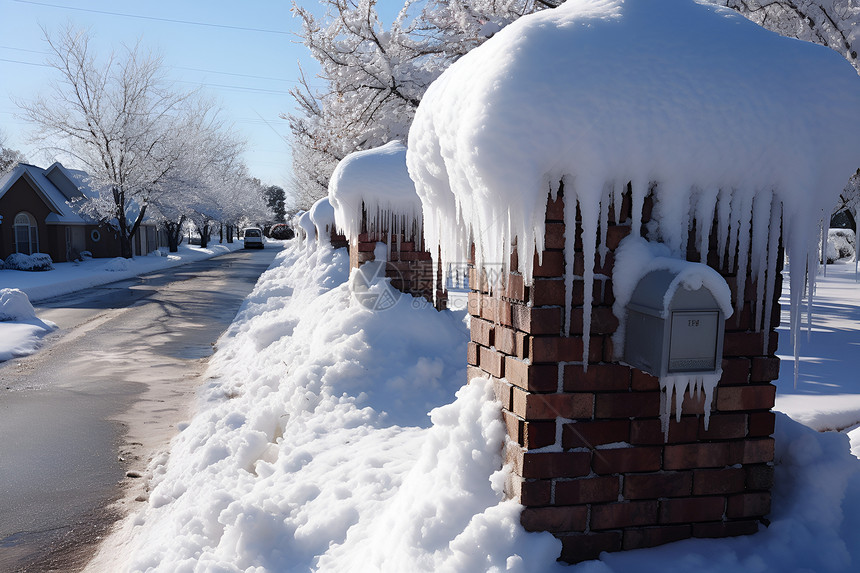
{"points": [[671, 328], [671, 311]]}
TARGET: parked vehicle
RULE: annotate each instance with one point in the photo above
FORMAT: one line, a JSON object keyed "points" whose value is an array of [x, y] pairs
{"points": [[254, 238], [281, 231]]}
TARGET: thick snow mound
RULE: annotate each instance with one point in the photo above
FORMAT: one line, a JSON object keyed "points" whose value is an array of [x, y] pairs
{"points": [[306, 225], [322, 216], [117, 265], [375, 181], [692, 102], [15, 305], [20, 330]]}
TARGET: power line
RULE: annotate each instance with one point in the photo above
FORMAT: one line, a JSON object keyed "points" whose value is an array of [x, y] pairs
{"points": [[25, 63], [25, 50], [138, 16], [234, 74]]}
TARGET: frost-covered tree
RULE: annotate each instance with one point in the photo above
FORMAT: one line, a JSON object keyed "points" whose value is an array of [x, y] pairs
{"points": [[275, 198], [375, 75], [9, 157], [207, 150], [832, 23], [116, 118]]}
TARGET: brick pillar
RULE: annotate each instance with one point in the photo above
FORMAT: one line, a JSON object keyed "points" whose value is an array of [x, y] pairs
{"points": [[409, 266], [590, 463]]}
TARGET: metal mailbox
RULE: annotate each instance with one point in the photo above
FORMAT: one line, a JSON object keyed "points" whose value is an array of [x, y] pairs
{"points": [[672, 330]]}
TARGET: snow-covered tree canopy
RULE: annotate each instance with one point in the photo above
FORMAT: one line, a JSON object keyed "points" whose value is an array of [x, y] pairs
{"points": [[375, 75], [710, 112], [374, 186], [831, 23]]}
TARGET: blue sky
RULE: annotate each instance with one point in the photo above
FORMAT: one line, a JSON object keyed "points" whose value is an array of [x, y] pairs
{"points": [[248, 71]]}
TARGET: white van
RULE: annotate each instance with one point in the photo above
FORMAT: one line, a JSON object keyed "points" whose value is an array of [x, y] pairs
{"points": [[254, 238]]}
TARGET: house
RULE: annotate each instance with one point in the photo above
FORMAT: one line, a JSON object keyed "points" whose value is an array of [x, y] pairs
{"points": [[37, 216]]}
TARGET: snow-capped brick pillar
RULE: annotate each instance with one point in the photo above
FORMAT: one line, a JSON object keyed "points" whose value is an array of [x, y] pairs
{"points": [[590, 461]]}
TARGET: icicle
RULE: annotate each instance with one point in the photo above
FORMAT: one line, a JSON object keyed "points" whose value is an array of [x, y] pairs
{"points": [[679, 384], [773, 254], [744, 239], [734, 226], [639, 190], [604, 221], [707, 201], [723, 222], [618, 200], [590, 210], [824, 247], [760, 225]]}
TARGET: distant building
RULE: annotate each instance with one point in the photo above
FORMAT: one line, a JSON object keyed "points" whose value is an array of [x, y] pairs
{"points": [[37, 216]]}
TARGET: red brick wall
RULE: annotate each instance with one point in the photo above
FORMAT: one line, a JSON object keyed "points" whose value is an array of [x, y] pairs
{"points": [[696, 483], [409, 266]]}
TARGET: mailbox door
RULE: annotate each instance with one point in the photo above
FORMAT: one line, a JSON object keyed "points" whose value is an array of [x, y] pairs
{"points": [[693, 341]]}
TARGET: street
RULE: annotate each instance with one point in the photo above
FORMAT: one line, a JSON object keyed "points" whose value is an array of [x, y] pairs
{"points": [[80, 419]]}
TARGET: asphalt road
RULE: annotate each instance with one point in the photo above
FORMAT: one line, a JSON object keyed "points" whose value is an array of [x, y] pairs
{"points": [[79, 415]]}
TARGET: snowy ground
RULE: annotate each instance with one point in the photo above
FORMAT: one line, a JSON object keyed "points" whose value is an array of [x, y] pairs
{"points": [[21, 338], [827, 393], [312, 450]]}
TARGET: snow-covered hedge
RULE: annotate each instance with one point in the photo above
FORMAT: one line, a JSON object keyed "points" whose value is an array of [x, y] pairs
{"points": [[15, 306], [34, 262]]}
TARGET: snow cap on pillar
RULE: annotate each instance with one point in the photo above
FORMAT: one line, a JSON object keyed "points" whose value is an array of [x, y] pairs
{"points": [[376, 182], [690, 101]]}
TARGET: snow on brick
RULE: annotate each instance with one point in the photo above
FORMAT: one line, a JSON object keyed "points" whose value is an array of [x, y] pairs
{"points": [[377, 182], [322, 217], [706, 110]]}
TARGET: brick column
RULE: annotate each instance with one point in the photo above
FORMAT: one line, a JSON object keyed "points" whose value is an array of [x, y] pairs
{"points": [[590, 461], [409, 266]]}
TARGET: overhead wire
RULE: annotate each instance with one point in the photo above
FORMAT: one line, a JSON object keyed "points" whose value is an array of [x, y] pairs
{"points": [[155, 18]]}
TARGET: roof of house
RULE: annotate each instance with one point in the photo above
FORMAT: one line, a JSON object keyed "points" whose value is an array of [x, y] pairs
{"points": [[54, 197]]}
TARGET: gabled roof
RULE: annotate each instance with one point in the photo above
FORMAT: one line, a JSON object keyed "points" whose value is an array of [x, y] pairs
{"points": [[48, 192]]}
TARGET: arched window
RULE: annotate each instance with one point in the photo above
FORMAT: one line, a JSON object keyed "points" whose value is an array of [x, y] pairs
{"points": [[26, 234]]}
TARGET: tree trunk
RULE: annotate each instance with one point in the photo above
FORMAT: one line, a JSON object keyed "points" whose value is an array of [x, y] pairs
{"points": [[204, 235], [174, 234], [230, 234], [220, 232]]}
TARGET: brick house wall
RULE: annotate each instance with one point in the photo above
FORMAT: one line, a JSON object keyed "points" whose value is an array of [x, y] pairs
{"points": [[590, 462]]}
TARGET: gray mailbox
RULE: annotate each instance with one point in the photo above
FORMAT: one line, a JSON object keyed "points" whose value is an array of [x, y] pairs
{"points": [[672, 330]]}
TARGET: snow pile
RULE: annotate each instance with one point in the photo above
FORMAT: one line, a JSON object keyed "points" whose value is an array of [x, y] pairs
{"points": [[322, 216], [306, 226], [15, 306], [117, 265], [694, 103], [290, 464], [840, 245], [375, 182], [34, 262], [20, 330], [313, 439]]}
